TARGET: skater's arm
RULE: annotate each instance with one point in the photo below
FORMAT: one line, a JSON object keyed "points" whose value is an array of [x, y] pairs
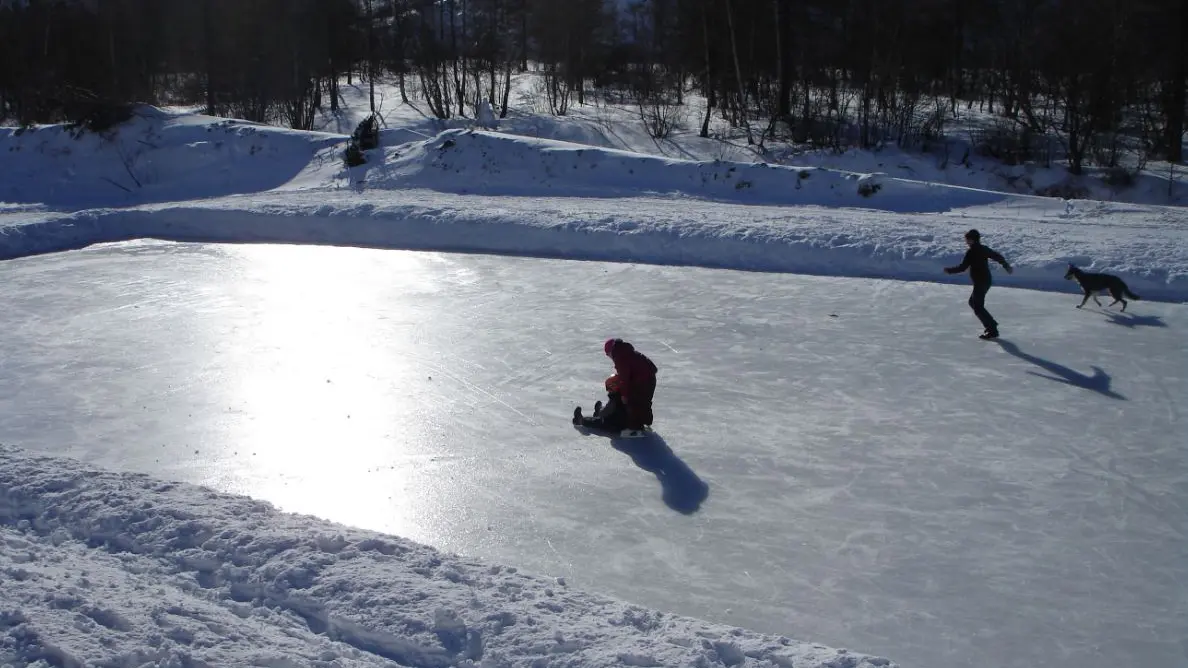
{"points": [[964, 264], [994, 255]]}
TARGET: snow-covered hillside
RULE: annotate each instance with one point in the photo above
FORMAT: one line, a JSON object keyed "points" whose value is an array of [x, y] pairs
{"points": [[618, 125], [160, 157], [157, 156], [465, 190]]}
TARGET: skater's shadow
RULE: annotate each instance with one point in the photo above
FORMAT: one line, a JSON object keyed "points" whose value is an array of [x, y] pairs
{"points": [[1132, 321], [680, 488], [1099, 382]]}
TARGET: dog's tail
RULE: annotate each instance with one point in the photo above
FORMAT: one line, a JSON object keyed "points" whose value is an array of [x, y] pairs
{"points": [[1128, 293]]}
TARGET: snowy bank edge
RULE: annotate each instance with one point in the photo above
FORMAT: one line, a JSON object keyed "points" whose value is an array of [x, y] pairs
{"points": [[239, 551], [815, 251]]}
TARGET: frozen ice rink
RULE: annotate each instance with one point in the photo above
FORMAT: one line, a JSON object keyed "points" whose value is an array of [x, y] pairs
{"points": [[838, 460]]}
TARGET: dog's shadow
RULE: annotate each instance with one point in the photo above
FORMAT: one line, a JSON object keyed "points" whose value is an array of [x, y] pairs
{"points": [[1133, 321], [1099, 382], [680, 488]]}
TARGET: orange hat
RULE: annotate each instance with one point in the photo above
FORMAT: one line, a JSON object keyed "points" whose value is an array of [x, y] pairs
{"points": [[614, 384]]}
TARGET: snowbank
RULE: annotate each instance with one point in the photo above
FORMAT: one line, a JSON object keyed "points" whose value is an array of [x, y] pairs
{"points": [[121, 569], [202, 179], [490, 163], [160, 156], [617, 124], [1146, 246], [1158, 185], [155, 157]]}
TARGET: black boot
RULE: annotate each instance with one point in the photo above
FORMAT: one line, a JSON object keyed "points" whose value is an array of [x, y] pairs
{"points": [[597, 408], [577, 415]]}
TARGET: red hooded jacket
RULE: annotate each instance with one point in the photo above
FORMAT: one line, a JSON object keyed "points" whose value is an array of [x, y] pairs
{"points": [[631, 366]]}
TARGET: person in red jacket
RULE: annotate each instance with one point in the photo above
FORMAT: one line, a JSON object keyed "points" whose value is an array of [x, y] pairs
{"points": [[637, 378]]}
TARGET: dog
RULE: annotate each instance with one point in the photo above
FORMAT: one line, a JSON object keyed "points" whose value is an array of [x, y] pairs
{"points": [[1093, 283]]}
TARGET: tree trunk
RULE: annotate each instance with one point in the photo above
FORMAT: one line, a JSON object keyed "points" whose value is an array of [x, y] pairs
{"points": [[709, 74], [371, 56], [1176, 101], [332, 82], [783, 22], [506, 91], [1074, 110], [523, 36], [207, 37], [462, 59], [956, 87], [742, 96], [449, 7]]}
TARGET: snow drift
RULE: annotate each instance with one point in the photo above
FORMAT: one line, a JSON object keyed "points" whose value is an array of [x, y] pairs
{"points": [[157, 156], [122, 569], [489, 163], [160, 156]]}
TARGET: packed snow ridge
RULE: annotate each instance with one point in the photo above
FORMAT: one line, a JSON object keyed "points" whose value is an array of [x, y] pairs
{"points": [[102, 568], [489, 163], [184, 177]]}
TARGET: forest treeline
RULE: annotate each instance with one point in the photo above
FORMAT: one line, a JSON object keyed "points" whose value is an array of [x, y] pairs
{"points": [[1086, 81]]}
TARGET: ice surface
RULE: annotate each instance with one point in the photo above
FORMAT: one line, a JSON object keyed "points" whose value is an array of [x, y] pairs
{"points": [[840, 460]]}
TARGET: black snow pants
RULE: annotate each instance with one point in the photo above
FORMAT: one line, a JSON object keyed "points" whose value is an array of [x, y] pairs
{"points": [[612, 417], [977, 302]]}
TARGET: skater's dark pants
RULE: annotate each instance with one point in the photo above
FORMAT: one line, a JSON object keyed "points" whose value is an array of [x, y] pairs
{"points": [[639, 403], [977, 302]]}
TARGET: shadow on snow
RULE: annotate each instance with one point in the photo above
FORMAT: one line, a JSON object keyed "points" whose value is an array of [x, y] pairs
{"points": [[680, 488], [1099, 382], [1132, 321]]}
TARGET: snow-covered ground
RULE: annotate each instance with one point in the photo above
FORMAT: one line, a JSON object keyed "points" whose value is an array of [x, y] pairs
{"points": [[617, 125], [491, 192], [118, 569], [838, 459]]}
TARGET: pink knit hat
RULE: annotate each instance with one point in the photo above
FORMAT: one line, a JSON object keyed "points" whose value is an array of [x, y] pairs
{"points": [[609, 346]]}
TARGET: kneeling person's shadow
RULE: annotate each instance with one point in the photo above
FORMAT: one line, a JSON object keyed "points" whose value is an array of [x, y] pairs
{"points": [[680, 488]]}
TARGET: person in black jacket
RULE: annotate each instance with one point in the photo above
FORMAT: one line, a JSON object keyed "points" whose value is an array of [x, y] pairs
{"points": [[977, 261]]}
